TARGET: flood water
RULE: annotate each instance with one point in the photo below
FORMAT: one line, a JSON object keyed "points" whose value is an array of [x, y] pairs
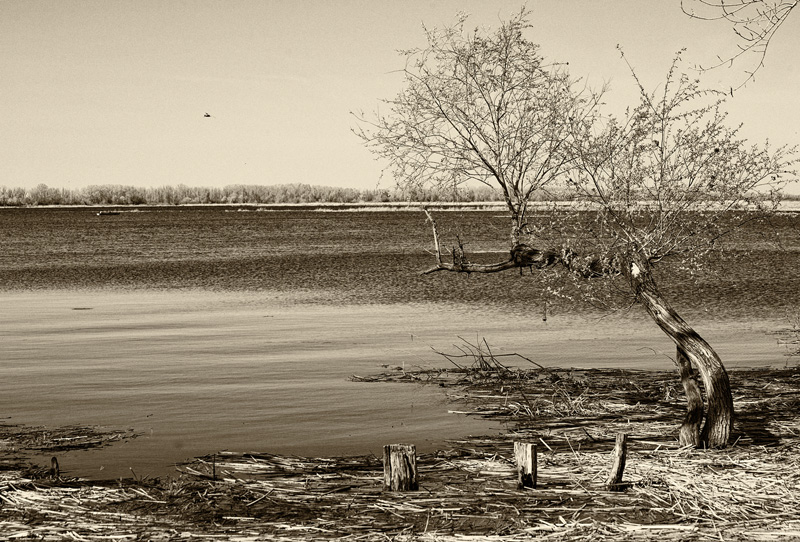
{"points": [[204, 329]]}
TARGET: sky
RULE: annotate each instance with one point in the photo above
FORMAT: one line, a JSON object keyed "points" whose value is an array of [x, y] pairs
{"points": [[116, 92]]}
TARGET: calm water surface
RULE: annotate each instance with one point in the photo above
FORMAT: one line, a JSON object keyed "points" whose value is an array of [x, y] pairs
{"points": [[207, 328]]}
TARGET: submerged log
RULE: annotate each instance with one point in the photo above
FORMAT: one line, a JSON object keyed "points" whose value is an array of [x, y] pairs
{"points": [[400, 467], [525, 455]]}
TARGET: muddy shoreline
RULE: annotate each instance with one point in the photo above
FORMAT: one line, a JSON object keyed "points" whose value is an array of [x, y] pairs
{"points": [[750, 490]]}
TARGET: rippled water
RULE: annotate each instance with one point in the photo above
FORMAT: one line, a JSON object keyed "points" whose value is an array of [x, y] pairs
{"points": [[337, 257], [209, 328]]}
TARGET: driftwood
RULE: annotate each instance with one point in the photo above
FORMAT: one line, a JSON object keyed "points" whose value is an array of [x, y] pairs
{"points": [[523, 256], [400, 467], [525, 456], [750, 491], [614, 481], [460, 263]]}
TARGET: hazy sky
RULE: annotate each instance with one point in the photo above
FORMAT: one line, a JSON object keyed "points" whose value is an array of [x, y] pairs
{"points": [[115, 92]]}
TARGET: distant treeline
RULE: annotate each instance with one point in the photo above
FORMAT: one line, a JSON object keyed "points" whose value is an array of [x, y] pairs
{"points": [[114, 194], [111, 194]]}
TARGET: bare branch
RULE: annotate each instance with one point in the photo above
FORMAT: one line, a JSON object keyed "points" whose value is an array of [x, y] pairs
{"points": [[480, 106], [754, 22], [471, 267]]}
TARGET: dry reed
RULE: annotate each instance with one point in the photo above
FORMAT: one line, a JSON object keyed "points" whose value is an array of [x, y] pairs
{"points": [[750, 491]]}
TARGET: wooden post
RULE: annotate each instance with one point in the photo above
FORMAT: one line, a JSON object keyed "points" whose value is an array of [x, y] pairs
{"points": [[614, 482], [525, 457], [400, 467]]}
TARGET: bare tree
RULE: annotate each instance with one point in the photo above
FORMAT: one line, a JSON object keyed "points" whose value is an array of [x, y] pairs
{"points": [[667, 180], [480, 107], [755, 23]]}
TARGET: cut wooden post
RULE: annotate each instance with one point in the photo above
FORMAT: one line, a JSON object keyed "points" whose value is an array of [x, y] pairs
{"points": [[614, 482], [525, 457], [400, 467]]}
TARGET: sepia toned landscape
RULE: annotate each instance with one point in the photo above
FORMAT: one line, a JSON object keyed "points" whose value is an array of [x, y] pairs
{"points": [[130, 354], [423, 271]]}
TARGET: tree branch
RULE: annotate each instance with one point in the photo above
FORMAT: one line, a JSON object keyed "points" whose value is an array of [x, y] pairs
{"points": [[522, 256], [468, 267], [460, 264]]}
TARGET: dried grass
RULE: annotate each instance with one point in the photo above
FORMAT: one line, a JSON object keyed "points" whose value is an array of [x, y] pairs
{"points": [[750, 491], [59, 439]]}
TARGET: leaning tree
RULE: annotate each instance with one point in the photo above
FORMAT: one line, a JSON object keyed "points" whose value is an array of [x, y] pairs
{"points": [[666, 180], [669, 181]]}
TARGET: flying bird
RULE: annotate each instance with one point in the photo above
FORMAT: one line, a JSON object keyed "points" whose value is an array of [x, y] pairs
{"points": [[207, 115]]}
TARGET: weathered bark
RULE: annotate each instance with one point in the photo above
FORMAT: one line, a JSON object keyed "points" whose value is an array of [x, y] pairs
{"points": [[526, 256], [690, 428], [719, 417], [614, 481], [468, 267], [692, 349], [400, 467], [525, 456], [516, 226], [520, 256]]}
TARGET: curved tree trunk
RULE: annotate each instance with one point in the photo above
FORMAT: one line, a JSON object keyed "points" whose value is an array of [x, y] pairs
{"points": [[719, 418], [690, 428], [691, 348]]}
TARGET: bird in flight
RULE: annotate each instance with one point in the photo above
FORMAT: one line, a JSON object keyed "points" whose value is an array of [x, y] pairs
{"points": [[207, 115]]}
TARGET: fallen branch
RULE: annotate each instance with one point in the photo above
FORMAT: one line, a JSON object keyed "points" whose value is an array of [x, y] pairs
{"points": [[460, 263], [522, 256]]}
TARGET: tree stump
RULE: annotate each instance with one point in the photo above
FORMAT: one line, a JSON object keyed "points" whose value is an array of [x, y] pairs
{"points": [[614, 482], [525, 457], [400, 467]]}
